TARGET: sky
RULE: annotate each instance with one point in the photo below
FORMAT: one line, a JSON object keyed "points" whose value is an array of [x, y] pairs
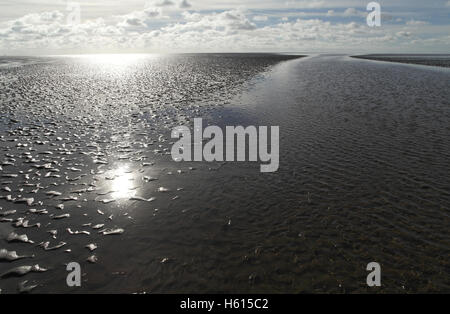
{"points": [[41, 27]]}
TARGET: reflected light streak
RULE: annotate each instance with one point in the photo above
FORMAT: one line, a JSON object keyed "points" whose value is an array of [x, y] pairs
{"points": [[122, 184]]}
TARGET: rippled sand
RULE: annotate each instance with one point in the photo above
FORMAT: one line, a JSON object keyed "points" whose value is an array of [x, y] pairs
{"points": [[363, 176]]}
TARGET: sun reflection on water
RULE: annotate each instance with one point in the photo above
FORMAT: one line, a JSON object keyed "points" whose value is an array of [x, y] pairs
{"points": [[113, 65], [115, 60], [123, 185]]}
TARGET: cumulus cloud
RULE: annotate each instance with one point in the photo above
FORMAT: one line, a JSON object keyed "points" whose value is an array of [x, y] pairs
{"points": [[184, 4], [260, 18], [153, 29], [349, 12], [228, 21], [140, 18], [164, 3]]}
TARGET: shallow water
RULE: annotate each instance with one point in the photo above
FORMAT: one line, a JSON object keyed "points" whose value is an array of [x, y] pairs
{"points": [[363, 175]]}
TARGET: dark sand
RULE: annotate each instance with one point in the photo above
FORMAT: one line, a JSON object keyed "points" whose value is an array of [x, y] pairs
{"points": [[432, 60]]}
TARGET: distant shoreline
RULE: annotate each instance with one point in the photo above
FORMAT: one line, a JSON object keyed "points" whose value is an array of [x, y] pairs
{"points": [[440, 60]]}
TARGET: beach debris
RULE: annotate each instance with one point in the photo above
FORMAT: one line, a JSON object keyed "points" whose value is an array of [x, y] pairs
{"points": [[11, 256], [165, 260], [107, 201], [112, 231], [47, 247], [61, 216], [38, 211], [69, 199], [23, 288], [7, 213], [28, 201], [92, 259], [77, 232], [91, 247], [100, 161], [23, 270], [53, 233], [53, 193], [21, 222], [9, 175], [138, 198], [14, 237]]}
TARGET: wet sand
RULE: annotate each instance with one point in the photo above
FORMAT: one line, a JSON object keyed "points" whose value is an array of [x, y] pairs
{"points": [[363, 176], [85, 157]]}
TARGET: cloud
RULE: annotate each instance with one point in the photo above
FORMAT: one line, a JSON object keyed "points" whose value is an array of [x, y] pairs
{"points": [[184, 4], [164, 3], [140, 18], [260, 18], [228, 21], [403, 34], [416, 23], [163, 27], [349, 12]]}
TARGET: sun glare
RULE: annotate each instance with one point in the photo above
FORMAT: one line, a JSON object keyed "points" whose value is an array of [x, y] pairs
{"points": [[123, 183], [114, 59]]}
